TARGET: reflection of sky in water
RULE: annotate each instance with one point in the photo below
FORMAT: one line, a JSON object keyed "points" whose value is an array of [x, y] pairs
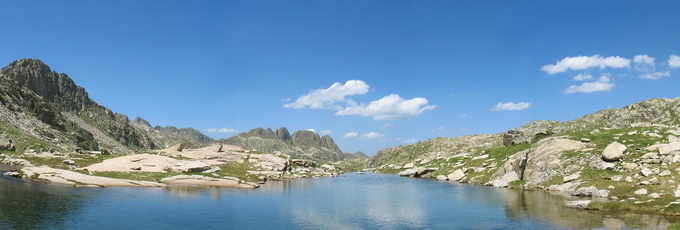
{"points": [[351, 201]]}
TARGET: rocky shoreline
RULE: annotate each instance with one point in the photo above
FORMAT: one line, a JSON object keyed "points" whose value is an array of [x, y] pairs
{"points": [[633, 169], [217, 165]]}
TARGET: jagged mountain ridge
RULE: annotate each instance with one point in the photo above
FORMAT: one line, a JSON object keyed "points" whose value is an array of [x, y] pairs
{"points": [[46, 109], [166, 136], [658, 111], [301, 144]]}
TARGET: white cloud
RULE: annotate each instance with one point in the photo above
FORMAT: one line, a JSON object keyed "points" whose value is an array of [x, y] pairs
{"points": [[410, 141], [371, 135], [674, 61], [386, 125], [644, 63], [325, 132], [221, 130], [585, 62], [600, 85], [462, 116], [512, 106], [350, 135], [655, 75], [327, 98], [440, 127], [582, 77], [312, 130], [391, 107]]}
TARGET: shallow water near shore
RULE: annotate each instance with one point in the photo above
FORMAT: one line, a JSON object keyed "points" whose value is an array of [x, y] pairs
{"points": [[349, 201]]}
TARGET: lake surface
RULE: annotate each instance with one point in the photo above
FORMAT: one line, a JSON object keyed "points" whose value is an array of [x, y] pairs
{"points": [[350, 201]]}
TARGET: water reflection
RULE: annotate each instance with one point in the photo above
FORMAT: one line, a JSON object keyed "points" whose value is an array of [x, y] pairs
{"points": [[369, 201], [30, 206]]}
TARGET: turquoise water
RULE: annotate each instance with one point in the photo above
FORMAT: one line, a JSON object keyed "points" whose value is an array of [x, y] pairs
{"points": [[350, 201]]}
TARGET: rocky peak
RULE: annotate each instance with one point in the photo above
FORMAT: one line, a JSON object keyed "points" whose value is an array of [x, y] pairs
{"points": [[52, 86], [141, 121], [284, 135]]}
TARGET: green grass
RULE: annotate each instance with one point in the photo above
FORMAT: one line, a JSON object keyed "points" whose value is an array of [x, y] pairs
{"points": [[23, 141]]}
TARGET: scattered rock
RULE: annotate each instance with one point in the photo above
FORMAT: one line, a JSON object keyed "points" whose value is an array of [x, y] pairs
{"points": [[616, 178], [646, 172], [304, 163], [677, 191], [505, 180], [591, 191], [641, 192], [261, 179], [653, 181], [442, 177], [577, 204], [408, 172], [629, 179], [191, 166], [668, 148], [12, 174], [6, 143], [665, 173], [629, 166], [456, 175], [408, 166], [136, 168], [613, 152], [69, 162], [654, 195], [571, 177], [608, 165]]}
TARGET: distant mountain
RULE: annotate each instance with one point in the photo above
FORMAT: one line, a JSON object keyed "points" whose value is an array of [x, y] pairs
{"points": [[40, 108], [166, 136], [302, 144]]}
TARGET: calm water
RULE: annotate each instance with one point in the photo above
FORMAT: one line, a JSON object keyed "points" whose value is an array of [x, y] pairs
{"points": [[350, 201]]}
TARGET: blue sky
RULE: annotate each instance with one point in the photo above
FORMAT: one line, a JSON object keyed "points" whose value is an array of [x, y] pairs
{"points": [[441, 68]]}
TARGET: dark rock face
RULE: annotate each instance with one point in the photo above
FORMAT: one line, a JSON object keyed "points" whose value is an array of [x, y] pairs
{"points": [[301, 144], [30, 87]]}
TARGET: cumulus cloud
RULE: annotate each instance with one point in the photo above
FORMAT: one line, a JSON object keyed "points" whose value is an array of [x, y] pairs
{"points": [[655, 75], [586, 62], [391, 107], [325, 132], [582, 77], [644, 63], [312, 130], [221, 130], [350, 135], [511, 106], [371, 135], [327, 98], [386, 125], [674, 61], [465, 115], [601, 85]]}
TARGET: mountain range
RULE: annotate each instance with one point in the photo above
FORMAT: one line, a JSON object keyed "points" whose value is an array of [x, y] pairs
{"points": [[47, 111]]}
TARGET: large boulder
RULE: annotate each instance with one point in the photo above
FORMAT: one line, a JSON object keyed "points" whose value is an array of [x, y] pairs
{"points": [[268, 162], [456, 175], [505, 180], [416, 172], [6, 143], [613, 152], [540, 163], [669, 148]]}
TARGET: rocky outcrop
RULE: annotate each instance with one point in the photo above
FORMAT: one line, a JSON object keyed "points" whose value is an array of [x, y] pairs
{"points": [[66, 177], [529, 132], [540, 163], [6, 143]]}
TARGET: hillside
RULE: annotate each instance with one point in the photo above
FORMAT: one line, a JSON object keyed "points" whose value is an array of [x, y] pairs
{"points": [[628, 156], [45, 110]]}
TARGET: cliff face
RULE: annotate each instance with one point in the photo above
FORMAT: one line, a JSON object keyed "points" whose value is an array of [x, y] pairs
{"points": [[301, 144]]}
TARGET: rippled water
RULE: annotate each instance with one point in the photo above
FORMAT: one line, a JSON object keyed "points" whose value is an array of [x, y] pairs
{"points": [[350, 201]]}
